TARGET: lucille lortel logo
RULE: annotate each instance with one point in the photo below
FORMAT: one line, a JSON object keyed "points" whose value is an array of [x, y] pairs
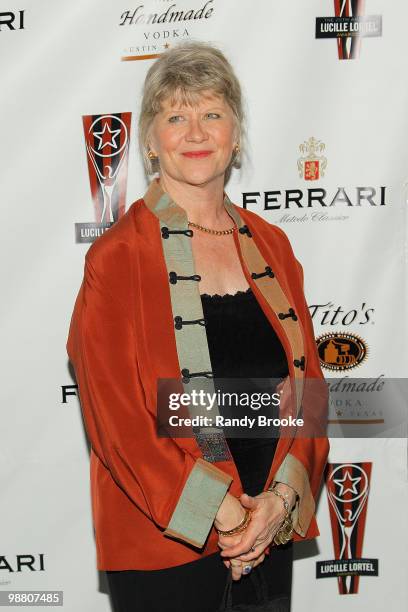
{"points": [[349, 26], [107, 152], [348, 486]]}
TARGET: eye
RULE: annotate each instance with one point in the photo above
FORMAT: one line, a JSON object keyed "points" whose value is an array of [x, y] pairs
{"points": [[213, 115], [176, 118]]}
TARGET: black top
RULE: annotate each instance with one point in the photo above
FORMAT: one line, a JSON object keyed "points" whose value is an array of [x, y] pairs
{"points": [[243, 344]]}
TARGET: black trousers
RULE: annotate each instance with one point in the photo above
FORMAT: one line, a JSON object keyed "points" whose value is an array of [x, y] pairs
{"points": [[198, 586]]}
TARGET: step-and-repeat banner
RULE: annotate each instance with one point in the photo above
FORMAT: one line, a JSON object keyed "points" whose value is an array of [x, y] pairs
{"points": [[326, 98]]}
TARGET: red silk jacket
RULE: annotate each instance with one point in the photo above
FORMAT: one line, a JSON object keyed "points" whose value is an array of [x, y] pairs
{"points": [[154, 499]]}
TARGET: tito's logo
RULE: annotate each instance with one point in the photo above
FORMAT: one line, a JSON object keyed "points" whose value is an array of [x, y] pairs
{"points": [[341, 350], [107, 151]]}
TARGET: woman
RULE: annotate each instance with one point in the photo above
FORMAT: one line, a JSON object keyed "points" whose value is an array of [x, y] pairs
{"points": [[188, 286]]}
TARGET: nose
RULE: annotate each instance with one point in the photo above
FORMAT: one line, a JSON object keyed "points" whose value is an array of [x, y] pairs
{"points": [[196, 131]]}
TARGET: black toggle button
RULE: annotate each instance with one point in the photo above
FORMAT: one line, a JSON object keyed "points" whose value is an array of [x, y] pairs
{"points": [[300, 363], [187, 374], [166, 232], [245, 230], [285, 315], [174, 277], [268, 272], [178, 322]]}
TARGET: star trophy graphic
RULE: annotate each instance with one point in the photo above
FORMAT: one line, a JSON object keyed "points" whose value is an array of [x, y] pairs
{"points": [[107, 148], [348, 486]]}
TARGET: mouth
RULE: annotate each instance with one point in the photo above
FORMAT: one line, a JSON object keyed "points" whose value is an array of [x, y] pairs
{"points": [[196, 154]]}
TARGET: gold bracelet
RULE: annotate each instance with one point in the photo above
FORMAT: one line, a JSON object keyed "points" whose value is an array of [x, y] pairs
{"points": [[283, 498], [243, 525], [285, 495], [285, 531]]}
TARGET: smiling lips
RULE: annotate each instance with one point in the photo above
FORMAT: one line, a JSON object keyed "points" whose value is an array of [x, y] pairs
{"points": [[196, 154]]}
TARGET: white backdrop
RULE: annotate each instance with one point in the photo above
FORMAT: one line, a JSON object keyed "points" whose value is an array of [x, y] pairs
{"points": [[62, 61]]}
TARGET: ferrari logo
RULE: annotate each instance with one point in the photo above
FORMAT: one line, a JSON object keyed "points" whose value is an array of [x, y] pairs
{"points": [[312, 165]]}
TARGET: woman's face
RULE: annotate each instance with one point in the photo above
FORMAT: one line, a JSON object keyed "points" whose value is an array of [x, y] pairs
{"points": [[194, 143]]}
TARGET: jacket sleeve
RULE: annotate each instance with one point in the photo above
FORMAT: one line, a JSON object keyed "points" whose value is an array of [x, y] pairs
{"points": [[304, 464], [177, 491]]}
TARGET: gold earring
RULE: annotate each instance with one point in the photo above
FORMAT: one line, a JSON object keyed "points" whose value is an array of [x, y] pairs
{"points": [[236, 149], [151, 155]]}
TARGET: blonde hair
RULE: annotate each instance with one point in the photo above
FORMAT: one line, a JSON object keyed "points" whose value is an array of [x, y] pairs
{"points": [[183, 73]]}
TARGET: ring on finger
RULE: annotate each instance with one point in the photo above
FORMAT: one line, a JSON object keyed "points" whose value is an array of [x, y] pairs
{"points": [[247, 569]]}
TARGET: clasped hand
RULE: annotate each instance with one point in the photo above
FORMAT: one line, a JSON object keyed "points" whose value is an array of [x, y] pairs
{"points": [[249, 546]]}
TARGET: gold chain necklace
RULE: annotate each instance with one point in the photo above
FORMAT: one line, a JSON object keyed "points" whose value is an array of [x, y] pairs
{"points": [[212, 231]]}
